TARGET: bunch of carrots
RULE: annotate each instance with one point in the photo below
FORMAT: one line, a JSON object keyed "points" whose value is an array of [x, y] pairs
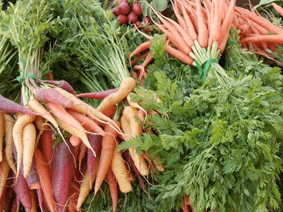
{"points": [[201, 30], [89, 139]]}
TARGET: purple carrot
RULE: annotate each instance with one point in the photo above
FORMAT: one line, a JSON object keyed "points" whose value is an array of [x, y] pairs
{"points": [[95, 142], [23, 192], [98, 95], [32, 179], [40, 198], [16, 204], [3, 195], [128, 158], [62, 174], [61, 84], [9, 106], [10, 193], [52, 95]]}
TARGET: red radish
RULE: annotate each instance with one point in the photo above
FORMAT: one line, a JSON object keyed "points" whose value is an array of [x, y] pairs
{"points": [[132, 18], [116, 11], [146, 20], [95, 142], [98, 95], [122, 1], [147, 30], [122, 19], [22, 191], [137, 8], [62, 175], [124, 8], [138, 23], [8, 105]]}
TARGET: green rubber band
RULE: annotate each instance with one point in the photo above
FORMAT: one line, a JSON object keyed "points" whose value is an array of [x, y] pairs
{"points": [[21, 77], [230, 43], [205, 66]]}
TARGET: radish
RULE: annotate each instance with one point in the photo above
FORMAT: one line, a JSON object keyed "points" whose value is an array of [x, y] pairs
{"points": [[125, 8], [116, 11], [123, 19], [132, 18], [137, 8], [138, 23], [121, 1]]}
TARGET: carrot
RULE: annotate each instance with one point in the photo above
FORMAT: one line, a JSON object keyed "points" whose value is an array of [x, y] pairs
{"points": [[40, 123], [84, 108], [63, 115], [18, 136], [62, 175], [3, 177], [134, 61], [15, 205], [8, 105], [33, 201], [185, 207], [260, 21], [2, 130], [112, 182], [74, 140], [9, 124], [82, 153], [278, 8], [87, 123], [74, 131], [190, 26], [120, 171], [10, 193], [143, 34], [107, 150], [40, 197], [95, 142], [2, 198], [202, 29], [263, 38], [179, 55], [45, 179], [38, 108], [142, 47], [126, 87], [226, 25], [216, 26], [29, 138], [33, 178], [23, 192], [132, 128], [129, 160], [85, 185], [47, 142], [52, 95], [98, 95], [61, 84]]}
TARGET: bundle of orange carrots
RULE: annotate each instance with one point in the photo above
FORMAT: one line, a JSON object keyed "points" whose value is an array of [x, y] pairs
{"points": [[206, 26]]}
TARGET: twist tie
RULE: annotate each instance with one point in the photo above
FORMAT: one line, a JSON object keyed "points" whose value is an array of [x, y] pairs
{"points": [[204, 66]]}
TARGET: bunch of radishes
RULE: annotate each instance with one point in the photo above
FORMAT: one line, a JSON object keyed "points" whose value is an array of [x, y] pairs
{"points": [[131, 13]]}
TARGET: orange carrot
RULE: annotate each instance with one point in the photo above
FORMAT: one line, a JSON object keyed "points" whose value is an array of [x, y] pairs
{"points": [[107, 150], [112, 182], [142, 47], [179, 55], [45, 179], [134, 61], [202, 29], [86, 122], [9, 124], [216, 26], [264, 38], [2, 130], [47, 141], [20, 123], [278, 8], [82, 153], [74, 140]]}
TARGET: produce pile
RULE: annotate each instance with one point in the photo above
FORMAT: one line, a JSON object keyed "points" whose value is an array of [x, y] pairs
{"points": [[141, 106]]}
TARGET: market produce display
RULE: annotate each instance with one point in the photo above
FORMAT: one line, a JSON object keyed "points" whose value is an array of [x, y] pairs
{"points": [[136, 105]]}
